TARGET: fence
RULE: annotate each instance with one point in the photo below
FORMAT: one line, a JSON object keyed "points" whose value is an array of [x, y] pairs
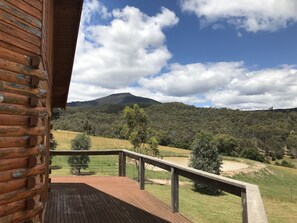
{"points": [[252, 206]]}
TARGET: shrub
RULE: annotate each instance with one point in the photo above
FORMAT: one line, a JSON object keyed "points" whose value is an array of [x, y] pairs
{"points": [[227, 145], [205, 156], [287, 164], [80, 142], [252, 153]]}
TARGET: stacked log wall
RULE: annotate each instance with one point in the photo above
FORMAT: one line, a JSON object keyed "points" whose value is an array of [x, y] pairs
{"points": [[25, 108]]}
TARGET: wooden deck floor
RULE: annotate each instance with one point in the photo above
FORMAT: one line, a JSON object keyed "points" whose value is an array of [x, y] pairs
{"points": [[104, 199]]}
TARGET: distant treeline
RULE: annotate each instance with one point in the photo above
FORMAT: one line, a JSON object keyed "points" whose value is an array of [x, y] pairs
{"points": [[271, 132]]}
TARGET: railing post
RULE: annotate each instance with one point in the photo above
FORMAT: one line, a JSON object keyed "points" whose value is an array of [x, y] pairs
{"points": [[141, 173], [244, 207], [174, 191], [122, 164]]}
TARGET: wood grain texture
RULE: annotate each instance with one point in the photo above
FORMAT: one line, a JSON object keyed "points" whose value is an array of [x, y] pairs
{"points": [[22, 110], [28, 8], [22, 69], [13, 56], [22, 215], [18, 152], [19, 23], [21, 173], [104, 199], [15, 11]]}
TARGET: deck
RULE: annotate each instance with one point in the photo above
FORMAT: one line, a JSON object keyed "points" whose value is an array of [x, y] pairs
{"points": [[91, 199]]}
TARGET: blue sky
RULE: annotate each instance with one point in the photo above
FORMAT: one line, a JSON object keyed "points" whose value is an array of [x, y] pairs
{"points": [[237, 54]]}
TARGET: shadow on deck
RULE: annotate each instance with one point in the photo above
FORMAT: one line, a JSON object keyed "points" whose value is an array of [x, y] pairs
{"points": [[104, 199]]}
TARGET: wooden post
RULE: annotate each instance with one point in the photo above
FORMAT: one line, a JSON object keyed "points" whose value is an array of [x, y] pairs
{"points": [[244, 207], [174, 191], [141, 173], [122, 164]]}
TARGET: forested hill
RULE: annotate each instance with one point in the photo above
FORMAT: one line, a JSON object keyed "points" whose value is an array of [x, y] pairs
{"points": [[115, 99], [176, 124]]}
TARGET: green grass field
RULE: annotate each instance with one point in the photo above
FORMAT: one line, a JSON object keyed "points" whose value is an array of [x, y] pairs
{"points": [[278, 185], [99, 143]]}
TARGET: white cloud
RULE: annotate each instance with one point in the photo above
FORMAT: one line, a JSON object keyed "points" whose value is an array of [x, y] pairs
{"points": [[116, 55], [260, 89], [251, 15], [184, 80], [229, 84]]}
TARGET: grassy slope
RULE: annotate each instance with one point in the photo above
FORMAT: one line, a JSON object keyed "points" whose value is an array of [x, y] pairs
{"points": [[64, 137], [278, 185]]}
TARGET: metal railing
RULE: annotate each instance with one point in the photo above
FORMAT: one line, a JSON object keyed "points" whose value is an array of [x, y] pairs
{"points": [[252, 205]]}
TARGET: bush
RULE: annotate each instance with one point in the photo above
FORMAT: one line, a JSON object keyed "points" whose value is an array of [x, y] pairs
{"points": [[287, 164], [80, 142], [253, 154], [205, 156], [227, 145]]}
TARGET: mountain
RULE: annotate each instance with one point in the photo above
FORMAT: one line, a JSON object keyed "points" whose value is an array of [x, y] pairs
{"points": [[121, 99]]}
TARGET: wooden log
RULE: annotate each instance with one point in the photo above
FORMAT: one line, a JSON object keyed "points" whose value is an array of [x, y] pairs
{"points": [[11, 39], [18, 120], [32, 161], [13, 141], [30, 203], [33, 141], [11, 9], [20, 141], [22, 89], [10, 164], [34, 82], [35, 62], [23, 215], [22, 110], [15, 49], [21, 173], [12, 208], [13, 30], [21, 131], [19, 152], [31, 182], [11, 98], [27, 8], [22, 69], [33, 121], [35, 3], [13, 185], [11, 55], [33, 101], [14, 77]]}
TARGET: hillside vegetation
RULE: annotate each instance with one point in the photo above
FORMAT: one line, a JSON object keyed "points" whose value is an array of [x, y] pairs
{"points": [[175, 124]]}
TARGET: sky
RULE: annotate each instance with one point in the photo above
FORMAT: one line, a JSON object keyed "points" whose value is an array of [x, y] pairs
{"points": [[239, 54]]}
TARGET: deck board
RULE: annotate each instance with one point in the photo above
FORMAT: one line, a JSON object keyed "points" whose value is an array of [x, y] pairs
{"points": [[92, 199]]}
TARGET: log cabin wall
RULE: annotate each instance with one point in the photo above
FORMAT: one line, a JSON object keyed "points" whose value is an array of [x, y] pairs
{"points": [[25, 108]]}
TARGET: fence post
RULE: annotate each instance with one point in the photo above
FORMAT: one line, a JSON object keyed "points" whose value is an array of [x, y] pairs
{"points": [[122, 164], [244, 207], [141, 173], [174, 191]]}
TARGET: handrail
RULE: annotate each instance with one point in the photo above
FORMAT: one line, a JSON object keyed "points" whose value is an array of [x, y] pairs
{"points": [[253, 210]]}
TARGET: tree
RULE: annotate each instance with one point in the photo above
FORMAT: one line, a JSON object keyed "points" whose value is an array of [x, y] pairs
{"points": [[205, 156], [292, 144], [226, 144], [80, 142], [138, 132], [253, 154]]}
